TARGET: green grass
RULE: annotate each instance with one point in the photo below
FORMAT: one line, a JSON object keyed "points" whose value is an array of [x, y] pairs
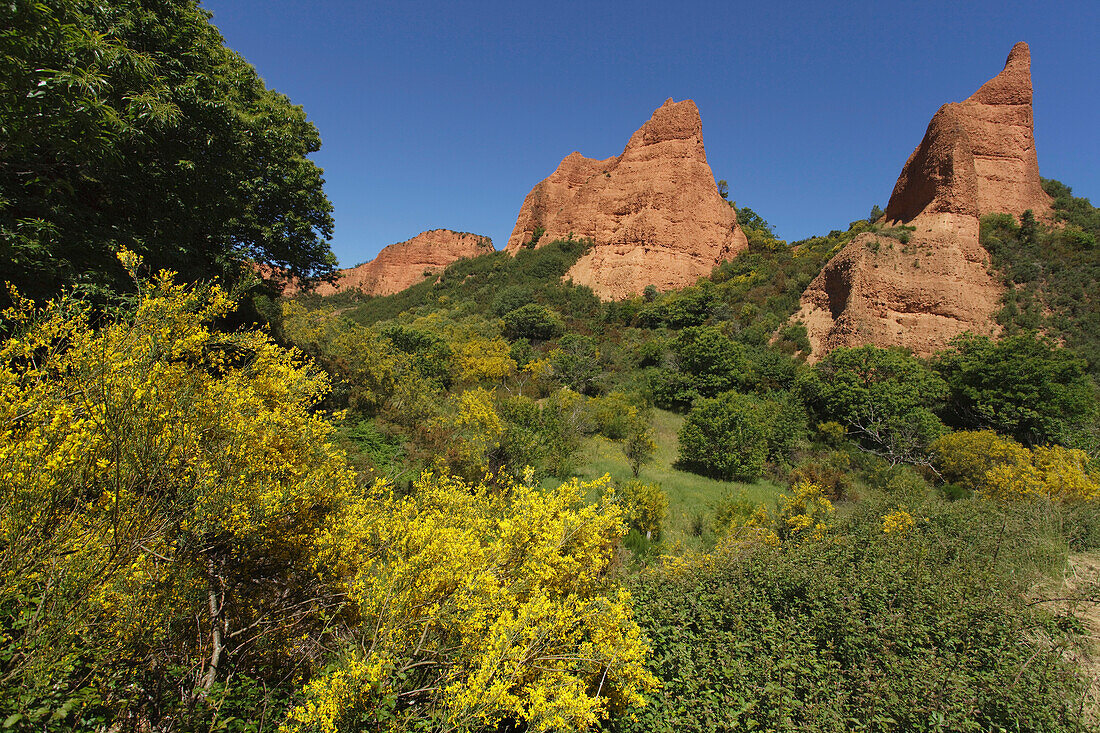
{"points": [[691, 498]]}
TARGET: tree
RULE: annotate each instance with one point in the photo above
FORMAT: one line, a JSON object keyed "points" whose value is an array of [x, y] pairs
{"points": [[129, 124], [576, 363], [638, 445], [1021, 386], [532, 321], [883, 397], [726, 437], [706, 363]]}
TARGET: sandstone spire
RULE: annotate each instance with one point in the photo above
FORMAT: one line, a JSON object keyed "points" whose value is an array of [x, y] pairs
{"points": [[406, 263], [654, 211], [977, 157]]}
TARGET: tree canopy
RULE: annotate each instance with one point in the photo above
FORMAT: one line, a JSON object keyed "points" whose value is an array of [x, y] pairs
{"points": [[130, 124]]}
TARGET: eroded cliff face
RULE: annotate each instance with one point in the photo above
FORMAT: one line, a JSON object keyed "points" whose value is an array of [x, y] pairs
{"points": [[977, 157], [653, 213], [403, 264]]}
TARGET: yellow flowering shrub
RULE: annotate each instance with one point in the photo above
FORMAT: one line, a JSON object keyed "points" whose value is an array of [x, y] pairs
{"points": [[898, 522], [162, 487], [482, 359], [645, 506], [965, 456], [1000, 468], [806, 513], [481, 603], [474, 429]]}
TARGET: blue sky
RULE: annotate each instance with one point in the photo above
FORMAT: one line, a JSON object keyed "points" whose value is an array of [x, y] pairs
{"points": [[445, 114]]}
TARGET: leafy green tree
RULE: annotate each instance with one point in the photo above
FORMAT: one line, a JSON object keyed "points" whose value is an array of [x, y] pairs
{"points": [[1021, 386], [705, 363], [638, 444], [726, 437], [576, 363], [129, 124], [532, 321], [884, 398]]}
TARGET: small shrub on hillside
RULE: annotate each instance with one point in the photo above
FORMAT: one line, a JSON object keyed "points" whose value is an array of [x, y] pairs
{"points": [[726, 437], [532, 321], [831, 471], [645, 507]]}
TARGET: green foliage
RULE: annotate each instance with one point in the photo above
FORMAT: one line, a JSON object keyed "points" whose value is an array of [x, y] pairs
{"points": [[494, 284], [883, 397], [705, 362], [1052, 273], [871, 632], [372, 452], [546, 437], [131, 125], [831, 471], [730, 436], [1021, 386], [639, 447], [532, 321], [576, 363]]}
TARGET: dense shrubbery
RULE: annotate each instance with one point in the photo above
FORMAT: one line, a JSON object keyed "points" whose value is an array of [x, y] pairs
{"points": [[895, 620], [1052, 272]]}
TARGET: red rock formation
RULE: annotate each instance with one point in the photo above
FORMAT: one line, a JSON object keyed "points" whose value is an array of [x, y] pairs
{"points": [[977, 157], [653, 212], [403, 264]]}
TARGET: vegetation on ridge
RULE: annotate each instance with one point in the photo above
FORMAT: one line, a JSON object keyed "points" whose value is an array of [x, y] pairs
{"points": [[492, 502]]}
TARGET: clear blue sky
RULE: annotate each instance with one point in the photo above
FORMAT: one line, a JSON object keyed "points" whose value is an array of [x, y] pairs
{"points": [[445, 114]]}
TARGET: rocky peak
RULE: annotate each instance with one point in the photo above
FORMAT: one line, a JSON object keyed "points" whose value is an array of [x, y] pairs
{"points": [[403, 264], [977, 157], [1012, 85], [653, 212]]}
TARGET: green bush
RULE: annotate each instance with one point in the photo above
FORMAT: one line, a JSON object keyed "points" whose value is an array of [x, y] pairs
{"points": [[532, 321], [726, 437], [862, 631]]}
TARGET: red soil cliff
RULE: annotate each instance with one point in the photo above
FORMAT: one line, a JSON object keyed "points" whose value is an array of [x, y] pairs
{"points": [[977, 157], [653, 212], [403, 264]]}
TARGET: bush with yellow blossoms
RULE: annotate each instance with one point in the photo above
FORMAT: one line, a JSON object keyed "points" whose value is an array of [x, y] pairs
{"points": [[999, 468], [162, 490], [805, 513], [897, 523], [481, 604]]}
